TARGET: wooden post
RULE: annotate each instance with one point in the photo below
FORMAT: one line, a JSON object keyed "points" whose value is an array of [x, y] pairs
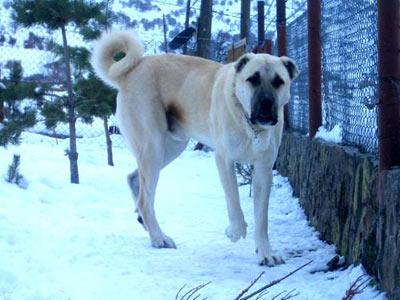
{"points": [[314, 66], [245, 19], [260, 15]]}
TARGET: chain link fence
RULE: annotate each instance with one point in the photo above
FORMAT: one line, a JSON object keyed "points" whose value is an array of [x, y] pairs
{"points": [[349, 70], [297, 48]]}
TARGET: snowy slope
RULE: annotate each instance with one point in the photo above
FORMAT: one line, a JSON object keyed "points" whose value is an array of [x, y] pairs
{"points": [[63, 241]]}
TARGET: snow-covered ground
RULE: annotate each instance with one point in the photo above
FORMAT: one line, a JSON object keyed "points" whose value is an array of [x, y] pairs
{"points": [[63, 241]]}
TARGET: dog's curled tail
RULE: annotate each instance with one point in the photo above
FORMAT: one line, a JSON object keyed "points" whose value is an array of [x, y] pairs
{"points": [[110, 47]]}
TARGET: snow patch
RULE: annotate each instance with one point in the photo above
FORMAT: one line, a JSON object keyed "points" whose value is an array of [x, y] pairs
{"points": [[333, 136], [65, 241]]}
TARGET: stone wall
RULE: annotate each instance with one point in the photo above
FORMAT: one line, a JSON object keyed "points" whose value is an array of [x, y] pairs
{"points": [[338, 189]]}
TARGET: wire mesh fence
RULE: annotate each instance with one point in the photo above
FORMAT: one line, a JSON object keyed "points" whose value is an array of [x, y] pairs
{"points": [[349, 70], [349, 66], [297, 47]]}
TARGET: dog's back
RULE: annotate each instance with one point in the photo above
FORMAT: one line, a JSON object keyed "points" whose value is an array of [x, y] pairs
{"points": [[182, 84]]}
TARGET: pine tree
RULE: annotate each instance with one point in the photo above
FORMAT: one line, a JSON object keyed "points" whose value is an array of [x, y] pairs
{"points": [[57, 15], [16, 98], [13, 174], [95, 99]]}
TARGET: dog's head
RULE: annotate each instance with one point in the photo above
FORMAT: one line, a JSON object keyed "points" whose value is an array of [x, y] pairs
{"points": [[262, 85]]}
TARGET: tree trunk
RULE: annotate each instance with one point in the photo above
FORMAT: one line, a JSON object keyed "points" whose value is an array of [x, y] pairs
{"points": [[186, 23], [72, 153], [245, 20], [109, 142], [204, 29]]}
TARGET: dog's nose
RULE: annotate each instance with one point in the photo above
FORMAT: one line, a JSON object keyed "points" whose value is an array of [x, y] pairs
{"points": [[264, 112]]}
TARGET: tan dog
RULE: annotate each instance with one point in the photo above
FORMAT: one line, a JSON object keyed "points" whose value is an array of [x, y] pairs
{"points": [[237, 109]]}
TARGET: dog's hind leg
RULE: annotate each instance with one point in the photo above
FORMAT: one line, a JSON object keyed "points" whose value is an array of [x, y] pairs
{"points": [[133, 183], [172, 150], [237, 225], [150, 161]]}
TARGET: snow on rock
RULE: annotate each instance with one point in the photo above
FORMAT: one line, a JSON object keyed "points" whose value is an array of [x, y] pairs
{"points": [[64, 241], [334, 135]]}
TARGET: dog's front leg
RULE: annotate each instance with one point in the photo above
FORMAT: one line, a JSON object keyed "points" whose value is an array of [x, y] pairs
{"points": [[237, 225], [262, 180]]}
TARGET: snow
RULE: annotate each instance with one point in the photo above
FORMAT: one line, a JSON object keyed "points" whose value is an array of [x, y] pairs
{"points": [[334, 135], [64, 241]]}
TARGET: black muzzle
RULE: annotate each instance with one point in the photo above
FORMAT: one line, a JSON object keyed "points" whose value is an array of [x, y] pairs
{"points": [[264, 112]]}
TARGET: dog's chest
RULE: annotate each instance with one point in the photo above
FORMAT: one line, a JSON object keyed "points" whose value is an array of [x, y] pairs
{"points": [[248, 147]]}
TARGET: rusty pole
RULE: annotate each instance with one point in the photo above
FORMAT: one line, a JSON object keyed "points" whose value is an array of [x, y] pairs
{"points": [[281, 39], [268, 46], [389, 84], [314, 66]]}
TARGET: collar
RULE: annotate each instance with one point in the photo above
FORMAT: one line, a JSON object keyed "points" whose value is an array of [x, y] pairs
{"points": [[254, 129]]}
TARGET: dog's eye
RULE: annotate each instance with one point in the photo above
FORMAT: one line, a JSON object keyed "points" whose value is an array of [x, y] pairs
{"points": [[255, 79], [277, 82]]}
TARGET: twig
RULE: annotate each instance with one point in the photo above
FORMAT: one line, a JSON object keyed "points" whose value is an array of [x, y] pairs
{"points": [[180, 290], [289, 295], [274, 282], [277, 295], [261, 295], [192, 292], [249, 287], [357, 287]]}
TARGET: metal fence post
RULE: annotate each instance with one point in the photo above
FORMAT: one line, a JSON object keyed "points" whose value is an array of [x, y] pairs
{"points": [[281, 39], [389, 84], [314, 66]]}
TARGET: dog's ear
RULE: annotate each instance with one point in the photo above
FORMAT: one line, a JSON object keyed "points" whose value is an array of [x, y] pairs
{"points": [[241, 62], [290, 66]]}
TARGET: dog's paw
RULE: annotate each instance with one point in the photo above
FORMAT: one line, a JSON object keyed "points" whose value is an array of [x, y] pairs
{"points": [[235, 231], [265, 258], [163, 242], [271, 261]]}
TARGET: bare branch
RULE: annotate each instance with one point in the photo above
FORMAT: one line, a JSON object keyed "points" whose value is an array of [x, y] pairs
{"points": [[249, 287], [191, 293], [180, 290], [289, 295], [274, 282], [357, 287]]}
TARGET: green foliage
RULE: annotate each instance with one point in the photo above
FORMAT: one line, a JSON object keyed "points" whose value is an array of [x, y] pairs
{"points": [[55, 14], [95, 99], [53, 111], [17, 116]]}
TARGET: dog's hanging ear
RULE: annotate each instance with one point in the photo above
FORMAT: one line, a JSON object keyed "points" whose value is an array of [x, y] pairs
{"points": [[290, 66], [241, 62]]}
